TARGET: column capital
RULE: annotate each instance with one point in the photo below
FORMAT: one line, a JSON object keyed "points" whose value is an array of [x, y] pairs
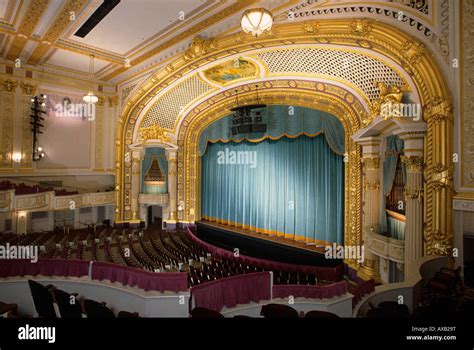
{"points": [[371, 162], [413, 163], [370, 147], [171, 153], [137, 153]]}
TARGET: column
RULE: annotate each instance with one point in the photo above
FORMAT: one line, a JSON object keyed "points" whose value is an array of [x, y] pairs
{"points": [[413, 160], [371, 204], [137, 156], [172, 157]]}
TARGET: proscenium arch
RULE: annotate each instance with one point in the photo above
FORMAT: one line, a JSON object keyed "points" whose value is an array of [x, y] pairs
{"points": [[383, 39], [320, 96]]}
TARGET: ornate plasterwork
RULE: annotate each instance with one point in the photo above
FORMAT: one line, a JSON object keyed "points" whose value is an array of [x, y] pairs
{"points": [[321, 96], [28, 89], [8, 85], [61, 22], [467, 95], [371, 163], [35, 201], [153, 132], [33, 14], [413, 163], [385, 42], [199, 47], [385, 247]]}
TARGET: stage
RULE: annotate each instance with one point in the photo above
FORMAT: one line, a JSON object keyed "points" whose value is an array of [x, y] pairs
{"points": [[262, 246]]}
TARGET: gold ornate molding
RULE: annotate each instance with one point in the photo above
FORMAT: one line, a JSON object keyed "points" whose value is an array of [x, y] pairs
{"points": [[413, 193], [371, 163], [413, 51], [153, 132], [113, 101], [33, 14], [413, 163], [320, 96], [371, 185], [390, 98], [311, 27], [199, 47], [438, 110], [442, 177], [101, 101], [385, 42], [53, 33], [8, 85], [28, 89], [361, 27], [228, 11]]}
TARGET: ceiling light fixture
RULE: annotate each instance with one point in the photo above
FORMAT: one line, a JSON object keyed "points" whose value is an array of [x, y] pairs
{"points": [[256, 21], [90, 98]]}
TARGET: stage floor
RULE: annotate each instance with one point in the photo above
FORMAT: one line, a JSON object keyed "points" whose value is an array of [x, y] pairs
{"points": [[280, 245]]}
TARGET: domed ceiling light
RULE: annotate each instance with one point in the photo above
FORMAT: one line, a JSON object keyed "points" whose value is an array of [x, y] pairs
{"points": [[256, 21]]}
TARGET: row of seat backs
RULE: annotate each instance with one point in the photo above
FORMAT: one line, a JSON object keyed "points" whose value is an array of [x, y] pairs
{"points": [[44, 298], [267, 311]]}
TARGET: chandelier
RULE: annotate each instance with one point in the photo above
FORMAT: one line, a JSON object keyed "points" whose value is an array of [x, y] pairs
{"points": [[256, 21], [90, 98]]}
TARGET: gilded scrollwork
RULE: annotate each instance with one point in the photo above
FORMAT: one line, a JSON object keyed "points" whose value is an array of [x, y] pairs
{"points": [[413, 163], [8, 85], [424, 73], [28, 89], [390, 97], [361, 27], [199, 47], [154, 132], [438, 110]]}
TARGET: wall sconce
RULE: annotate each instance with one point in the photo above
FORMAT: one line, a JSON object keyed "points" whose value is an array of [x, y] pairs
{"points": [[16, 157], [38, 153]]}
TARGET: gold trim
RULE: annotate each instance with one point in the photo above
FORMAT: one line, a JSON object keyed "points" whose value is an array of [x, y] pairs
{"points": [[60, 23], [385, 41], [228, 11], [295, 237], [33, 14]]}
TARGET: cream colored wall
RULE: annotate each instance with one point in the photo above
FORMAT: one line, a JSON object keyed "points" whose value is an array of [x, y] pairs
{"points": [[80, 153]]}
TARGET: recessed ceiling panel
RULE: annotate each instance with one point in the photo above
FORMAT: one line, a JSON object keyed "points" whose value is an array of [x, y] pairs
{"points": [[74, 61], [132, 22]]}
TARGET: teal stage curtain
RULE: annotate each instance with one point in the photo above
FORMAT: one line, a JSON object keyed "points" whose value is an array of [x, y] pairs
{"points": [[158, 153], [395, 146], [396, 228], [291, 187], [281, 121]]}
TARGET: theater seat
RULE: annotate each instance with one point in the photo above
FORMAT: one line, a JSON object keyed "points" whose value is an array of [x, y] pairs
{"points": [[42, 299], [321, 314], [203, 313], [126, 314], [7, 310], [69, 306], [94, 309], [278, 311]]}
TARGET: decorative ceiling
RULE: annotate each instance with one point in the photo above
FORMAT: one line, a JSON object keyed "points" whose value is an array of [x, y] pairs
{"points": [[137, 36], [133, 36], [357, 71]]}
